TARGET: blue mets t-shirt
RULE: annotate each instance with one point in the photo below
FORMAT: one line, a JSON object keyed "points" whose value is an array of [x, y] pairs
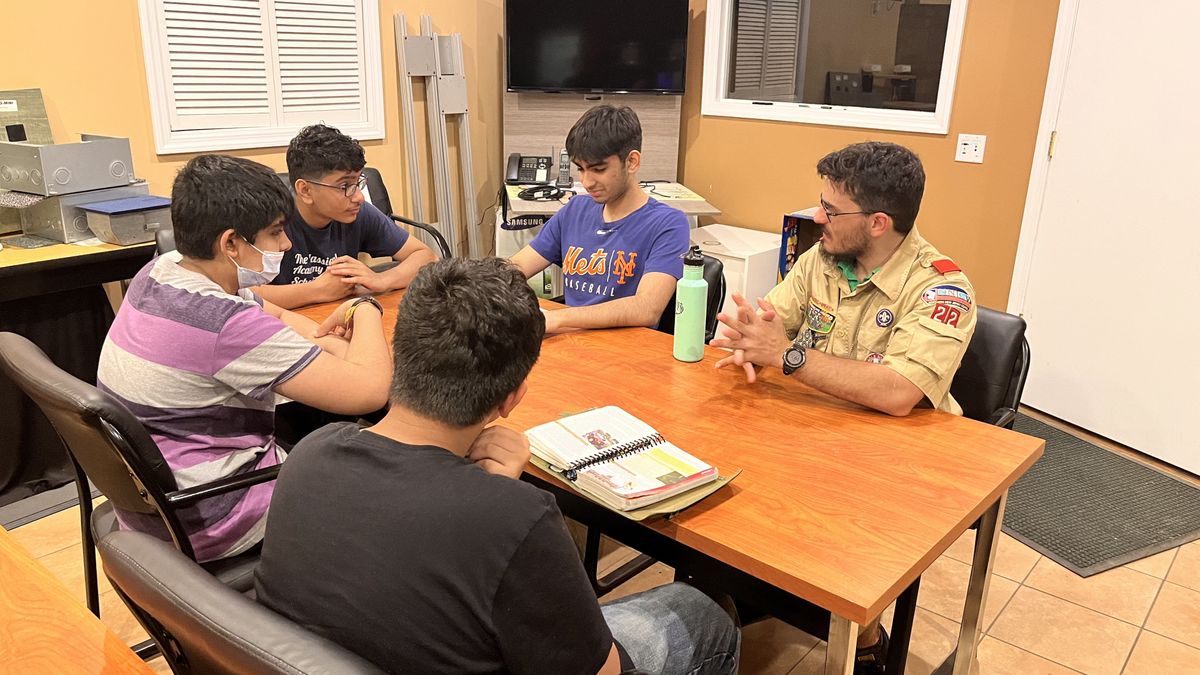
{"points": [[602, 261]]}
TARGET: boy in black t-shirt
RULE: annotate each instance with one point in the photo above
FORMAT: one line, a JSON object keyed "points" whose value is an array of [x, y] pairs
{"points": [[333, 222], [411, 544]]}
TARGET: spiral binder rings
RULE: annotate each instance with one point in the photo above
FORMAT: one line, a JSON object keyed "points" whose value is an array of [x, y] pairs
{"points": [[617, 459], [571, 471]]}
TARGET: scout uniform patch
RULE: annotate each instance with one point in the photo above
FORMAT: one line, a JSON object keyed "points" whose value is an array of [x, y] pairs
{"points": [[884, 318], [820, 317], [949, 303], [874, 357]]}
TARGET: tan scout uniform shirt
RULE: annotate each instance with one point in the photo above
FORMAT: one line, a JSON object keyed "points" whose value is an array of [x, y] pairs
{"points": [[915, 315]]}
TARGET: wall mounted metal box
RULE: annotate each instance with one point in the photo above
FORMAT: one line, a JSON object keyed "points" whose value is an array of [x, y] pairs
{"points": [[61, 219], [129, 220], [66, 168]]}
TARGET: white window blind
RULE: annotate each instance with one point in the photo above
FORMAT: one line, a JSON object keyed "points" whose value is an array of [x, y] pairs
{"points": [[228, 74]]}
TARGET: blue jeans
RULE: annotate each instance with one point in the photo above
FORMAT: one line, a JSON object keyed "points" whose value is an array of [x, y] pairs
{"points": [[675, 630]]}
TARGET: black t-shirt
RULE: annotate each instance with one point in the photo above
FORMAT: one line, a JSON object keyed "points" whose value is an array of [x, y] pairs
{"points": [[372, 232], [421, 562]]}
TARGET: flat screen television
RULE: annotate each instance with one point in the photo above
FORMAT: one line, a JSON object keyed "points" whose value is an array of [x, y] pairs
{"points": [[611, 46]]}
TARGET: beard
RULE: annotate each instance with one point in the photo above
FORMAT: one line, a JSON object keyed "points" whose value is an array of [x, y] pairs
{"points": [[852, 246]]}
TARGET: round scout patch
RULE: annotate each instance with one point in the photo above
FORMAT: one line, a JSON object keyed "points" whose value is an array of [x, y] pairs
{"points": [[884, 318], [874, 357]]}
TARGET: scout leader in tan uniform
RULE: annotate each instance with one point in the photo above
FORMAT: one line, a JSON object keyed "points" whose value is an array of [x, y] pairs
{"points": [[872, 313]]}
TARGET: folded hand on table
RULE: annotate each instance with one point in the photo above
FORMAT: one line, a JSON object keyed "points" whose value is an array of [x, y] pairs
{"points": [[501, 451], [352, 271]]}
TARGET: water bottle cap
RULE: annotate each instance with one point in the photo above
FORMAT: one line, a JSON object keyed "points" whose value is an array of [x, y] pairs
{"points": [[694, 257]]}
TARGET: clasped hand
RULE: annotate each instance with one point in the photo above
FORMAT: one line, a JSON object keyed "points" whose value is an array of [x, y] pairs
{"points": [[755, 338], [354, 271]]}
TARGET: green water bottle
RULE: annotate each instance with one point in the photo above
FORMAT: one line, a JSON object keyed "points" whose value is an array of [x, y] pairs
{"points": [[691, 308]]}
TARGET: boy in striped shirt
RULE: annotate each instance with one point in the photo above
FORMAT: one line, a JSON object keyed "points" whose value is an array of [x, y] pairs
{"points": [[199, 358]]}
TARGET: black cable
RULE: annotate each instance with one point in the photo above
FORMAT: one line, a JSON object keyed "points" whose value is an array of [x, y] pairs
{"points": [[499, 196]]}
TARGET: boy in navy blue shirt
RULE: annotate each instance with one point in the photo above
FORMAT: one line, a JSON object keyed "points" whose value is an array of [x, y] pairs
{"points": [[621, 251], [333, 223]]}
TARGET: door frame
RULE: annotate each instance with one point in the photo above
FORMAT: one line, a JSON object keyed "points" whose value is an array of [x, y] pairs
{"points": [[1056, 76]]}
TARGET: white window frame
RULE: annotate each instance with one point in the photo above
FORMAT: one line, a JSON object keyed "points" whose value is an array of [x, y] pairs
{"points": [[171, 141], [715, 101]]}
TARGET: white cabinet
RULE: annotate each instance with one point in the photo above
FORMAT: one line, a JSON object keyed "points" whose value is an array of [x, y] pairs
{"points": [[751, 259]]}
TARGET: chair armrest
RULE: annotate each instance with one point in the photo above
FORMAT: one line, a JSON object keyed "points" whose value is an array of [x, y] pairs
{"points": [[189, 496], [1004, 417], [442, 244]]}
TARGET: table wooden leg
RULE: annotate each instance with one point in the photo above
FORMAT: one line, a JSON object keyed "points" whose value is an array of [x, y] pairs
{"points": [[843, 639], [986, 539]]}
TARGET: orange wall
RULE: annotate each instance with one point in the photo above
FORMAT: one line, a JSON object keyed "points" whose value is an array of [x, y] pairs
{"points": [[86, 56], [755, 171], [94, 80]]}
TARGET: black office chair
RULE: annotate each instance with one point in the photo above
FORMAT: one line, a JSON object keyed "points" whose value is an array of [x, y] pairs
{"points": [[202, 626], [109, 446], [164, 239], [991, 379], [714, 274]]}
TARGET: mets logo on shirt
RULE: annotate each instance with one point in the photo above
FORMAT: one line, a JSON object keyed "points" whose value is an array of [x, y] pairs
{"points": [[949, 303]]}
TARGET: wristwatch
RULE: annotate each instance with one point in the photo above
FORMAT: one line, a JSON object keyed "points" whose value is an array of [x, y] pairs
{"points": [[797, 353], [354, 305]]}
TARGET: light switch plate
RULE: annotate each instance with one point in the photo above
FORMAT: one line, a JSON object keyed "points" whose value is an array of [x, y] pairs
{"points": [[970, 148]]}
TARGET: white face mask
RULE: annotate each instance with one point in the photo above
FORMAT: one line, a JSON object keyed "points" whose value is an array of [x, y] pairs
{"points": [[271, 261]]}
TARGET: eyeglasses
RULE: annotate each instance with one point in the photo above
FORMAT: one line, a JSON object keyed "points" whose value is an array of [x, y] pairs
{"points": [[831, 215], [348, 190]]}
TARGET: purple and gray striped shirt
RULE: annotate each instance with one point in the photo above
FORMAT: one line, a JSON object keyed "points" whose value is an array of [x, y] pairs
{"points": [[198, 367]]}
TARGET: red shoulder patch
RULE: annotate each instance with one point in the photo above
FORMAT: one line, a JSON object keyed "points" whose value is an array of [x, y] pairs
{"points": [[945, 266]]}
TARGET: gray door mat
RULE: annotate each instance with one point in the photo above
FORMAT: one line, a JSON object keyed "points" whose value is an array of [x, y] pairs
{"points": [[1091, 510], [40, 505]]}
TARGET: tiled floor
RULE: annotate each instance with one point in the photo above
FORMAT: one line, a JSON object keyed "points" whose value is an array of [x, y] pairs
{"points": [[1142, 618]]}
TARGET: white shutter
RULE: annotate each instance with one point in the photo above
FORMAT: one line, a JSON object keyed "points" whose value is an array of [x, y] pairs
{"points": [[321, 64], [783, 41], [765, 48], [227, 74], [750, 39], [218, 64]]}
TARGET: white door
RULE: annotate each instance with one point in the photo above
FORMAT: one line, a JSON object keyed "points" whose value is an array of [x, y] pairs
{"points": [[1108, 275]]}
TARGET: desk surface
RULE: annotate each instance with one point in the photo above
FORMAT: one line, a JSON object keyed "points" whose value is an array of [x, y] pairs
{"points": [[672, 194], [43, 629], [11, 256], [838, 505]]}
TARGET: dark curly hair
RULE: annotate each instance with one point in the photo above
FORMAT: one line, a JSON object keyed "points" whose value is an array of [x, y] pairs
{"points": [[471, 332], [318, 150], [879, 177]]}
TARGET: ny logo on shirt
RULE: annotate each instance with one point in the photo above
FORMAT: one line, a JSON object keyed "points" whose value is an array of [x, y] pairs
{"points": [[575, 264]]}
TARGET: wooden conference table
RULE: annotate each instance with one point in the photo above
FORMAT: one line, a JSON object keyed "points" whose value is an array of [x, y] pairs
{"points": [[836, 506], [44, 629]]}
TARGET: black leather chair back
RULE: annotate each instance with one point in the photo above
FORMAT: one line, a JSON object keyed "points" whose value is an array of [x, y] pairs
{"points": [[714, 274], [100, 433], [164, 240], [376, 191], [202, 626], [989, 383]]}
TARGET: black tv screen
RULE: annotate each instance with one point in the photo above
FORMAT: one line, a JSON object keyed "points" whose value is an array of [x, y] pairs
{"points": [[610, 46]]}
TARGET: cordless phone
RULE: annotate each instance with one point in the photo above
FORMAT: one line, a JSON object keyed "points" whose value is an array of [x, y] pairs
{"points": [[564, 170]]}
